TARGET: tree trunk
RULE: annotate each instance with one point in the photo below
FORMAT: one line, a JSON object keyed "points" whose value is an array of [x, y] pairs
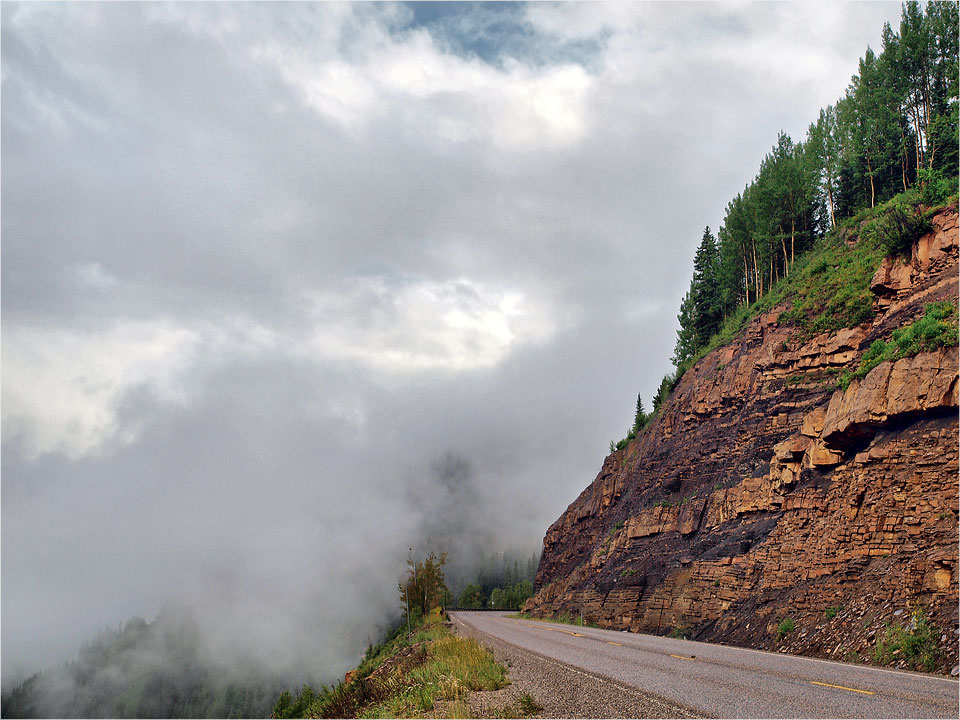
{"points": [[746, 276], [872, 192], [927, 114], [793, 237], [833, 216], [915, 113], [903, 155], [783, 243]]}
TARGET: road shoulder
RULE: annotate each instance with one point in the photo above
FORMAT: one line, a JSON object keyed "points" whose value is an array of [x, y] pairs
{"points": [[561, 690]]}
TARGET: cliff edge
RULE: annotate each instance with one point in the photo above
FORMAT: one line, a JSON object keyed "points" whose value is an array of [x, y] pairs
{"points": [[765, 506]]}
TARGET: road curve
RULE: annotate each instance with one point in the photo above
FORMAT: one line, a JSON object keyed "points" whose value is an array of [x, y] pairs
{"points": [[723, 681]]}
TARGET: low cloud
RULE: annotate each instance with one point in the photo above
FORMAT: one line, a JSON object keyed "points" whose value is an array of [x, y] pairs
{"points": [[423, 326], [62, 388]]}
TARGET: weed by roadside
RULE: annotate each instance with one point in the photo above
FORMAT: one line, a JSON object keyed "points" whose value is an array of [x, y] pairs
{"points": [[852, 657], [915, 643], [524, 707]]}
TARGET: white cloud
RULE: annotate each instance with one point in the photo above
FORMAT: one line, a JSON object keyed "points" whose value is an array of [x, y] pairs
{"points": [[455, 325], [415, 83], [335, 89], [61, 387], [579, 20]]}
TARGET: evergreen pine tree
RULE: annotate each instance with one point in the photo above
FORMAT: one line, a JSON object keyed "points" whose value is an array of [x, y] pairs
{"points": [[705, 291], [686, 345], [640, 419]]}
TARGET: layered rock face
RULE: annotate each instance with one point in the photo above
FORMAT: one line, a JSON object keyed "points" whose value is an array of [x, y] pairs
{"points": [[761, 491]]}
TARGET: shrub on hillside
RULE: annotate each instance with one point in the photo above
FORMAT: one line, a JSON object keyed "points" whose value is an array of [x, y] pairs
{"points": [[936, 188], [898, 228]]}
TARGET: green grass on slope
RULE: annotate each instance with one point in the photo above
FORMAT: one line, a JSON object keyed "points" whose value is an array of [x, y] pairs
{"points": [[915, 642], [428, 666], [829, 286], [454, 666], [936, 329]]}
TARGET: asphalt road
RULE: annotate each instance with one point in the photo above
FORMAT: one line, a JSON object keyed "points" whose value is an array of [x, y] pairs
{"points": [[723, 681]]}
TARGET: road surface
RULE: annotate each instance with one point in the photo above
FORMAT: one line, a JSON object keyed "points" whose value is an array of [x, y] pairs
{"points": [[723, 681]]}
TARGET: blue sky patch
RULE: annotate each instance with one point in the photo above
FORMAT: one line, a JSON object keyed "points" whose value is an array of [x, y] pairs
{"points": [[496, 31]]}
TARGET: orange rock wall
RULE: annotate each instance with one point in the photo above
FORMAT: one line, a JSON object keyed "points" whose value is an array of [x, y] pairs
{"points": [[753, 497]]}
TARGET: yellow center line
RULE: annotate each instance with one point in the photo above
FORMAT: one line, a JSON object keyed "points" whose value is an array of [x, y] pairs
{"points": [[841, 687], [685, 657], [541, 627]]}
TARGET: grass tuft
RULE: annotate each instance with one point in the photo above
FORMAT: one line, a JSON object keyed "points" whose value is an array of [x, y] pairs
{"points": [[786, 626], [529, 706]]}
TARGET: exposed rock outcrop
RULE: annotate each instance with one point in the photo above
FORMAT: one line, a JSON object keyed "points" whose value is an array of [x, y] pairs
{"points": [[896, 277], [761, 491]]}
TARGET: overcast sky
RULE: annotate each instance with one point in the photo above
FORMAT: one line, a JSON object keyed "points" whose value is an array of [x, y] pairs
{"points": [[270, 271]]}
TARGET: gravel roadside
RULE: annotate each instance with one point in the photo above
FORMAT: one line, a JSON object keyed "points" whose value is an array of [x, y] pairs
{"points": [[562, 691]]}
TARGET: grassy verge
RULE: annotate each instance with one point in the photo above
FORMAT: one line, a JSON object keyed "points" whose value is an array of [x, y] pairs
{"points": [[563, 618], [406, 676], [453, 667]]}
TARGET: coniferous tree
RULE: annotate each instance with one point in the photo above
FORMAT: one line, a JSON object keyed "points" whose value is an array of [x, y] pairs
{"points": [[472, 597], [663, 392], [640, 419], [686, 346], [944, 21], [824, 159], [705, 290]]}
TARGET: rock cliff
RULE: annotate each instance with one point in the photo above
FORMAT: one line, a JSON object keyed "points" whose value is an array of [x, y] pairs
{"points": [[761, 491]]}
